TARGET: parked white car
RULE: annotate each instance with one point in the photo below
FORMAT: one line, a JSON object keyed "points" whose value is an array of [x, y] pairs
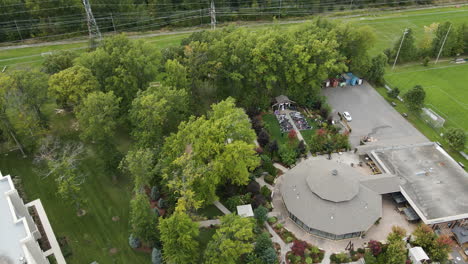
{"points": [[347, 116]]}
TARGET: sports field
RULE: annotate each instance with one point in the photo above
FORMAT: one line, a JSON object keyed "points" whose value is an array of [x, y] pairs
{"points": [[445, 86]]}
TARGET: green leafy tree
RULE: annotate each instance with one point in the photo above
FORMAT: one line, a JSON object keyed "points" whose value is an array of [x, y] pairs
{"points": [[175, 75], [377, 69], [97, 116], [393, 93], [140, 164], [441, 248], [414, 98], [424, 236], [143, 221], [450, 46], [232, 239], [456, 137], [261, 214], [58, 61], [205, 153], [123, 66], [72, 85], [157, 112], [179, 239], [262, 243], [408, 50]]}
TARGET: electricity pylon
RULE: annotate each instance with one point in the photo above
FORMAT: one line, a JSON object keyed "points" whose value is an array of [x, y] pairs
{"points": [[94, 33]]}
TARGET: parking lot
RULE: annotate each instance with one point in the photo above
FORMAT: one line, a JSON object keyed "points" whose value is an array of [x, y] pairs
{"points": [[372, 116]]}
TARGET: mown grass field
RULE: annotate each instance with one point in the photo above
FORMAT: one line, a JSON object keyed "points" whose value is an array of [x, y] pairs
{"points": [[445, 86]]}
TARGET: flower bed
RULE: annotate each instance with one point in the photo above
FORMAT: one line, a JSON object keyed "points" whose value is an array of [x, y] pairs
{"points": [[304, 253], [285, 235]]}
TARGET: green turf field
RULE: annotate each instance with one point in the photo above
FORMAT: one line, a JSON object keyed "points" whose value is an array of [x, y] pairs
{"points": [[445, 87]]}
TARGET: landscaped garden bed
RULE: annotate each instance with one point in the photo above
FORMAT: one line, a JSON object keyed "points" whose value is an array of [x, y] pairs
{"points": [[304, 253]]}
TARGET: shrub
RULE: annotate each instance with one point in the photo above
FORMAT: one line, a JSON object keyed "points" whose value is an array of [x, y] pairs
{"points": [[393, 93], [258, 200], [161, 203], [268, 166], [426, 61], [154, 193], [375, 247], [134, 242], [263, 138], [340, 258], [289, 239], [261, 214], [299, 247], [234, 201], [361, 250], [253, 187], [269, 179], [456, 138], [269, 256], [288, 155], [292, 135], [301, 148], [279, 226], [273, 147], [156, 257], [156, 211], [308, 260], [272, 220], [262, 243], [265, 191]]}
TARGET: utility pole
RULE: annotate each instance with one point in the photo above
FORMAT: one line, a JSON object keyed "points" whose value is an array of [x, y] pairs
{"points": [[281, 5], [19, 32], [94, 33], [213, 15], [113, 24], [401, 44], [443, 43]]}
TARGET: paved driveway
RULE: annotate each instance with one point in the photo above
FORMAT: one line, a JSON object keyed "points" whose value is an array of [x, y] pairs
{"points": [[372, 116]]}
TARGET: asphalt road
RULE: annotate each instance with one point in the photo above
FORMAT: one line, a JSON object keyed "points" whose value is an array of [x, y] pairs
{"points": [[372, 116]]}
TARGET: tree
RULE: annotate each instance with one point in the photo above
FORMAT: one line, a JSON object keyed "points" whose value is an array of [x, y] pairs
{"points": [[263, 138], [232, 239], [440, 35], [441, 248], [157, 112], [207, 152], [269, 256], [456, 137], [142, 220], [175, 75], [72, 85], [408, 50], [140, 164], [414, 98], [299, 247], [62, 161], [377, 69], [424, 236], [396, 251], [261, 214], [123, 66], [375, 247], [393, 93], [178, 237], [262, 243], [58, 61], [97, 116], [31, 88], [156, 256], [397, 234]]}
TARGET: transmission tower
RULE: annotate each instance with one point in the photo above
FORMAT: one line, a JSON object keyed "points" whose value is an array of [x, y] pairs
{"points": [[94, 33], [213, 15]]}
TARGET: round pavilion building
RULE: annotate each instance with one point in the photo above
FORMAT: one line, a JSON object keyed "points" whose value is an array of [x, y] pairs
{"points": [[327, 199]]}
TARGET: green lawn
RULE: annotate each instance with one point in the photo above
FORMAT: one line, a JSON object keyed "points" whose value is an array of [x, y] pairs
{"points": [[93, 235], [390, 26], [210, 211], [205, 237], [445, 86], [272, 126]]}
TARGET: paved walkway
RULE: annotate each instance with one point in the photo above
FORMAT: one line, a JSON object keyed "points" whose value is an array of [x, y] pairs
{"points": [[261, 181], [55, 247], [277, 239], [208, 223], [222, 208]]}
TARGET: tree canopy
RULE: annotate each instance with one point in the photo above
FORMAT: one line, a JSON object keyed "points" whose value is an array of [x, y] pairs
{"points": [[232, 239], [208, 151]]}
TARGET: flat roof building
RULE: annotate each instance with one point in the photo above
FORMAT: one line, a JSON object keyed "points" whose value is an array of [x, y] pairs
{"points": [[328, 199], [18, 231], [432, 182]]}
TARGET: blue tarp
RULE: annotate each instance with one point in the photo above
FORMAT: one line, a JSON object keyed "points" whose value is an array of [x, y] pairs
{"points": [[352, 80]]}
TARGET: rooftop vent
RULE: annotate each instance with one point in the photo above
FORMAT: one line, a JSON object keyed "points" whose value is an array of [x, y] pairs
{"points": [[334, 172]]}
